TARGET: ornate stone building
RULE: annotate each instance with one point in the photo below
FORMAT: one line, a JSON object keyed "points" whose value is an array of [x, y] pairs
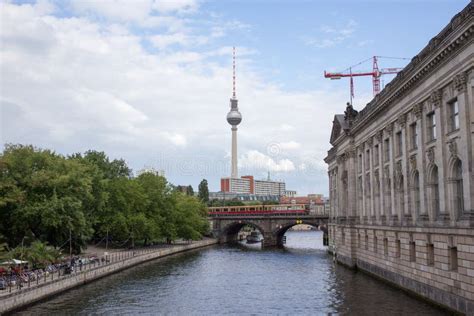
{"points": [[401, 174]]}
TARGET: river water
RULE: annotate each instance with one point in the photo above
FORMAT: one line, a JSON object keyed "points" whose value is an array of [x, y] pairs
{"points": [[300, 279]]}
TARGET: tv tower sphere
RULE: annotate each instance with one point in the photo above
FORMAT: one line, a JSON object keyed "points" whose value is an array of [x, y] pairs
{"points": [[234, 117]]}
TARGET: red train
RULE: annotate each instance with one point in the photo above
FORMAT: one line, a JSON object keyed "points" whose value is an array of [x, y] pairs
{"points": [[280, 209]]}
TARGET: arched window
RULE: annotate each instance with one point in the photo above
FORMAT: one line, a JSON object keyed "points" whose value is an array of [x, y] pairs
{"points": [[434, 190], [345, 188], [457, 187], [416, 192], [367, 195], [400, 200], [388, 191], [376, 192]]}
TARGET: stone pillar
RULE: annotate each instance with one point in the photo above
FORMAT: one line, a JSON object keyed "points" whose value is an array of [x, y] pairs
{"points": [[362, 174], [436, 99], [393, 214], [420, 162], [341, 209], [405, 213], [466, 118], [369, 171], [381, 213], [351, 183], [269, 240]]}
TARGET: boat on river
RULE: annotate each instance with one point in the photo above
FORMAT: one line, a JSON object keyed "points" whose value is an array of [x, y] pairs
{"points": [[253, 238]]}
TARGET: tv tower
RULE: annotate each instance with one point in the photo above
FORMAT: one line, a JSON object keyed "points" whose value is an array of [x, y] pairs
{"points": [[234, 118]]}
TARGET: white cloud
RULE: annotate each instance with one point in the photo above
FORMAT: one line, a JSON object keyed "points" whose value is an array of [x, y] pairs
{"points": [[291, 145], [75, 83], [337, 35], [175, 139], [138, 11], [181, 6], [286, 127], [118, 10], [162, 41], [254, 160]]}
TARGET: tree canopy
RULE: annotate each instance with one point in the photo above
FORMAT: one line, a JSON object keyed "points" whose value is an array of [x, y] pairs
{"points": [[46, 197], [203, 191]]}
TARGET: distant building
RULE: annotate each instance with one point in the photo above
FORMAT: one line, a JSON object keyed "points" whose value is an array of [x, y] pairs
{"points": [[290, 193], [266, 187], [247, 185], [315, 203], [237, 185]]}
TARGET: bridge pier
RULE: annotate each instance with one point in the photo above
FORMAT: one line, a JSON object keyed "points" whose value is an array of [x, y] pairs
{"points": [[269, 240]]}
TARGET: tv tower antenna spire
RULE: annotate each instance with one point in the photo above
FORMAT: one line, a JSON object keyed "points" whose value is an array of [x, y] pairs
{"points": [[233, 72]]}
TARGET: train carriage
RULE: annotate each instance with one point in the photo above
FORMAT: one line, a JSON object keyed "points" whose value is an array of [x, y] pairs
{"points": [[252, 210]]}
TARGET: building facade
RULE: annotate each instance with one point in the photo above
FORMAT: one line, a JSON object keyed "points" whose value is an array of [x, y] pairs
{"points": [[315, 203], [247, 185], [236, 185], [290, 193], [268, 187], [401, 174]]}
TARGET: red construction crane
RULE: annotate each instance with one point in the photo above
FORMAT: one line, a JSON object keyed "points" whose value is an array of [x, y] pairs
{"points": [[376, 73]]}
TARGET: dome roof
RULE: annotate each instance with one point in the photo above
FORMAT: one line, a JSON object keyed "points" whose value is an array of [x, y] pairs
{"points": [[234, 117]]}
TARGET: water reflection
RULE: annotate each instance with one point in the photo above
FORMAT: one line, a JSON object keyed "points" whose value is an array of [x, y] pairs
{"points": [[242, 279]]}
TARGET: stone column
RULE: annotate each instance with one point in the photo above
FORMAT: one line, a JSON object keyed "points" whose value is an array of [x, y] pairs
{"points": [[420, 162], [351, 183], [393, 213], [331, 193], [466, 118], [444, 205], [370, 172], [405, 209], [340, 184], [381, 205]]}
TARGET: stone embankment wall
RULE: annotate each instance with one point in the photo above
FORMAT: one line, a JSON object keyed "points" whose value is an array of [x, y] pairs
{"points": [[436, 264], [29, 295]]}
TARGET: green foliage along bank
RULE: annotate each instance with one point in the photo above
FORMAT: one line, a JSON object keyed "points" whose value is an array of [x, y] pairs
{"points": [[46, 197]]}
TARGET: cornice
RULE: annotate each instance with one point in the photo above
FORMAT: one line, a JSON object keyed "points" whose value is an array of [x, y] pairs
{"points": [[437, 52]]}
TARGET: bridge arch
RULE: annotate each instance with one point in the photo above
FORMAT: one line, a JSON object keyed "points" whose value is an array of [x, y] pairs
{"points": [[230, 231], [282, 228], [226, 228]]}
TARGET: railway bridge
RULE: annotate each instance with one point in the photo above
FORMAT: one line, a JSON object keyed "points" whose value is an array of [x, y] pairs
{"points": [[272, 226]]}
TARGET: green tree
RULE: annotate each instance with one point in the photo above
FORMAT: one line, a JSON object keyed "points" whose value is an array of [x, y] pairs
{"points": [[38, 254], [192, 221], [190, 190], [127, 202], [44, 195], [203, 191], [162, 204]]}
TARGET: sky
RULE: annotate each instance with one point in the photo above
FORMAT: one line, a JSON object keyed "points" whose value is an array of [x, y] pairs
{"points": [[149, 81]]}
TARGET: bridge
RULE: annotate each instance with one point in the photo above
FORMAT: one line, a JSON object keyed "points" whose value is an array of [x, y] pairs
{"points": [[272, 226]]}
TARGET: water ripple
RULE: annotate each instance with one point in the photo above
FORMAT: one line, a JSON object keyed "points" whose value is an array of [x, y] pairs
{"points": [[300, 279]]}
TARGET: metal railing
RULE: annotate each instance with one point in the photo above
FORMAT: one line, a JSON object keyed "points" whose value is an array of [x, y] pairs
{"points": [[29, 280]]}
